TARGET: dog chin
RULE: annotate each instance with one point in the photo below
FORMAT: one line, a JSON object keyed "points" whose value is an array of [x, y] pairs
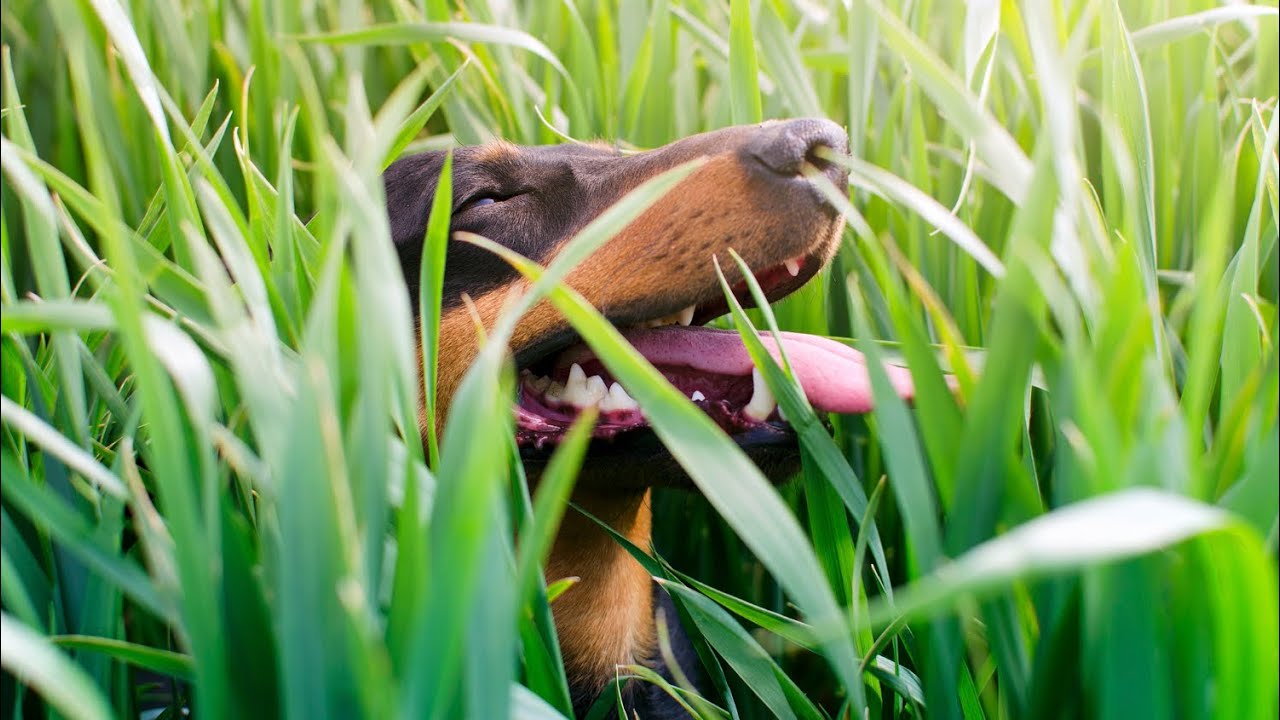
{"points": [[638, 461]]}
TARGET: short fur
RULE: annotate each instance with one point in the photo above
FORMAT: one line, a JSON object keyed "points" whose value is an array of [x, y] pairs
{"points": [[748, 196]]}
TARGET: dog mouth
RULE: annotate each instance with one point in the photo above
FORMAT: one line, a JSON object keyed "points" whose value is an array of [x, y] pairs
{"points": [[710, 366]]}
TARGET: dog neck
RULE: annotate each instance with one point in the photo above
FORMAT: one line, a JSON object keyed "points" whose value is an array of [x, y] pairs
{"points": [[606, 618]]}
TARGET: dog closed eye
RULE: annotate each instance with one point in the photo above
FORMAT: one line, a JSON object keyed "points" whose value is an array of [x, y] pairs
{"points": [[484, 199]]}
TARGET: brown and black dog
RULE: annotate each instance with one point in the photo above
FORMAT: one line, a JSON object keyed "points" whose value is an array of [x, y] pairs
{"points": [[656, 280]]}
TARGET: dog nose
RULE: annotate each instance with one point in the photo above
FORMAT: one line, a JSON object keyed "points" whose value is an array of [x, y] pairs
{"points": [[785, 147]]}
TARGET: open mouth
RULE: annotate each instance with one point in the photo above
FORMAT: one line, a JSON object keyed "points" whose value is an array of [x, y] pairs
{"points": [[710, 366]]}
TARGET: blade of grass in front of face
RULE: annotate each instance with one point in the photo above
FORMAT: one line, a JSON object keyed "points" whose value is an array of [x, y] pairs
{"points": [[828, 522], [430, 292], [554, 487], [598, 232], [800, 415], [917, 505], [463, 533]]}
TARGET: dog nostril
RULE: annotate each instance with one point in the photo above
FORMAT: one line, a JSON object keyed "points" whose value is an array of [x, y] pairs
{"points": [[784, 148], [814, 156]]}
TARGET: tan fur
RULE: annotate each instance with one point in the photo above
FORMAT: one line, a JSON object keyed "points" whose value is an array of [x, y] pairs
{"points": [[606, 619], [496, 150]]}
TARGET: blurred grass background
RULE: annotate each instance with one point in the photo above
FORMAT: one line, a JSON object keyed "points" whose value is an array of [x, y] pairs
{"points": [[211, 467]]}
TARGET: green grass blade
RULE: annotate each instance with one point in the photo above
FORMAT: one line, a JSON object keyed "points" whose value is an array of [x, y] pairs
{"points": [[742, 65], [37, 662]]}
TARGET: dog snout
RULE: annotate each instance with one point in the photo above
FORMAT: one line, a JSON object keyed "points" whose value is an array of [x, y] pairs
{"points": [[783, 148]]}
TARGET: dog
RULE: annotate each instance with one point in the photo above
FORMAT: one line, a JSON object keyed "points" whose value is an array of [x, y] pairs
{"points": [[656, 281]]}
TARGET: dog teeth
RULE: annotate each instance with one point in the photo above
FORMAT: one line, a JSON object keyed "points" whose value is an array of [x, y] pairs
{"points": [[582, 391], [681, 317], [575, 388], [697, 395], [762, 402], [540, 383], [617, 399], [554, 392], [597, 389], [793, 267]]}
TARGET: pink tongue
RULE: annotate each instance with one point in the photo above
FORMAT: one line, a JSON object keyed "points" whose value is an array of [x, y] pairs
{"points": [[834, 376]]}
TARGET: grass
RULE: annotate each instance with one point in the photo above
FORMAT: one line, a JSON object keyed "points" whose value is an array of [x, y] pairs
{"points": [[210, 454]]}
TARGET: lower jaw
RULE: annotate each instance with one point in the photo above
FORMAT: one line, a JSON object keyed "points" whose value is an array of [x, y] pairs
{"points": [[637, 460]]}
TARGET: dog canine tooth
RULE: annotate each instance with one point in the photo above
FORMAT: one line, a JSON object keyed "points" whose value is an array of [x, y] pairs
{"points": [[618, 399], [697, 395], [576, 375], [575, 389], [686, 315], [762, 402], [793, 267]]}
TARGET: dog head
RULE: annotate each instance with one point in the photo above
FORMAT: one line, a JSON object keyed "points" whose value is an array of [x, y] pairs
{"points": [[655, 279]]}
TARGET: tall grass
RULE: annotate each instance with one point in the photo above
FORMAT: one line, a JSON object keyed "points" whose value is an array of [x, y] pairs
{"points": [[210, 451]]}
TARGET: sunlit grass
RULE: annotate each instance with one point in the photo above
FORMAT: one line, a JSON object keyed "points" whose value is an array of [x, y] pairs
{"points": [[211, 465]]}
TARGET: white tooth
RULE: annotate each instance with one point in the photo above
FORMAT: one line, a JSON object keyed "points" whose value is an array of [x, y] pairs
{"points": [[575, 390], [697, 395], [762, 402], [618, 399], [597, 389], [793, 267], [686, 315]]}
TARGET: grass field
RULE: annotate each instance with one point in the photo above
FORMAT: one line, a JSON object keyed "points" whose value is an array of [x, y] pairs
{"points": [[211, 465]]}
